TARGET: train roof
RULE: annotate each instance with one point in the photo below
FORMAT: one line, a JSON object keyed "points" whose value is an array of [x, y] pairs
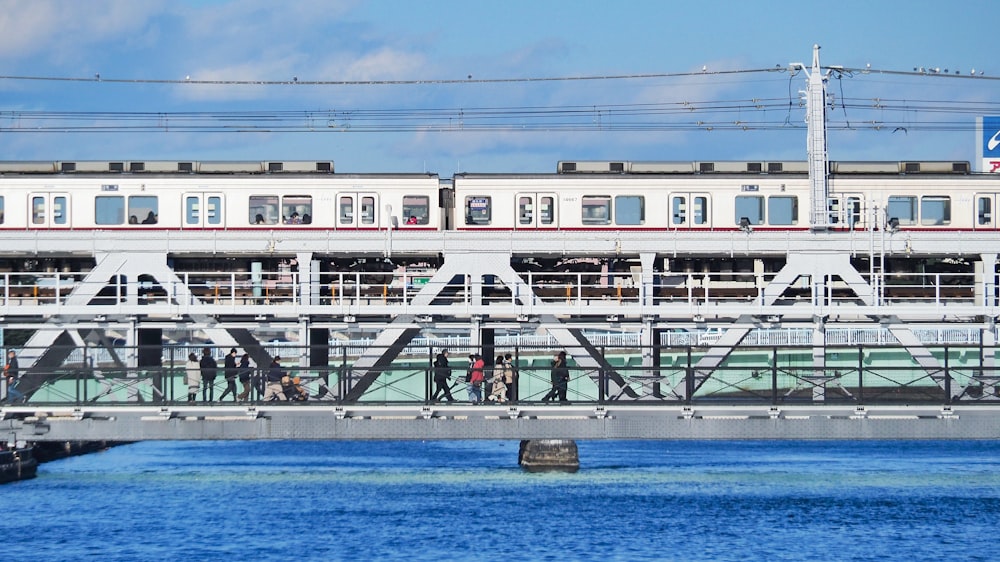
{"points": [[758, 167], [166, 167], [565, 167]]}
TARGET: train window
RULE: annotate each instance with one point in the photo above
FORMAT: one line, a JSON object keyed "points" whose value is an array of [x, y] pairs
{"points": [[214, 210], [478, 209], [903, 208], [935, 209], [678, 207], [264, 209], [833, 210], [783, 209], [368, 210], [1, 209], [192, 210], [596, 209], [38, 210], [107, 210], [630, 209], [984, 213], [296, 209], [525, 210], [700, 207], [853, 211], [546, 210], [346, 212], [143, 209], [750, 207], [416, 209], [679, 210], [59, 207]]}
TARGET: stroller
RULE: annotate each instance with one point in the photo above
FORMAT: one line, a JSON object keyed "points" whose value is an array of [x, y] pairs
{"points": [[294, 391]]}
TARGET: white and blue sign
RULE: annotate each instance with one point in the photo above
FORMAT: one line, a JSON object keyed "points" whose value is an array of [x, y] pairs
{"points": [[991, 137]]}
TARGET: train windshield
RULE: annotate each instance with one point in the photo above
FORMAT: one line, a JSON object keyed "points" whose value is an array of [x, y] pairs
{"points": [[478, 209]]}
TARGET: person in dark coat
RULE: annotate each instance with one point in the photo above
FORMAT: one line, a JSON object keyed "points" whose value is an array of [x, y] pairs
{"points": [[12, 374], [442, 376], [243, 372], [275, 390], [559, 377], [229, 370], [510, 377], [209, 369]]}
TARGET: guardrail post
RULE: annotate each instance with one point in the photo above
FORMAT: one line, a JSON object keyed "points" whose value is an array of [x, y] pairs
{"points": [[947, 378], [602, 382], [688, 378], [774, 376], [861, 374]]}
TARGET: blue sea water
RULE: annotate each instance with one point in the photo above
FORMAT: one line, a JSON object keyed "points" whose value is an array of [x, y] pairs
{"points": [[468, 500]]}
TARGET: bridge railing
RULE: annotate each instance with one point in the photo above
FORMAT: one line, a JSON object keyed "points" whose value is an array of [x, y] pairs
{"points": [[344, 291], [763, 375]]}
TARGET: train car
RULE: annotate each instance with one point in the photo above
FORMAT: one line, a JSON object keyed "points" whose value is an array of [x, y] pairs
{"points": [[212, 196], [633, 196], [581, 195], [618, 195]]}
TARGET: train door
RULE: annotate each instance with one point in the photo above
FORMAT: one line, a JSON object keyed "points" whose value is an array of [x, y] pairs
{"points": [[690, 210], [847, 210], [49, 210], [203, 210], [535, 211], [357, 210], [986, 204]]}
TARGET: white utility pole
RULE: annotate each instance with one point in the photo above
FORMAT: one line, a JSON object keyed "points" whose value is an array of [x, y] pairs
{"points": [[819, 167]]}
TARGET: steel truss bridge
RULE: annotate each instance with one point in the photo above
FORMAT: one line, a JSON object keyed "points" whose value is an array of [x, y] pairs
{"points": [[111, 320]]}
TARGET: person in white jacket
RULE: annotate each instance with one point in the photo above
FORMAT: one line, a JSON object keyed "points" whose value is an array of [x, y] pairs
{"points": [[192, 372]]}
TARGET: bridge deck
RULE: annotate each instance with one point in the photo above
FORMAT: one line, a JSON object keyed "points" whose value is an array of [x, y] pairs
{"points": [[311, 422]]}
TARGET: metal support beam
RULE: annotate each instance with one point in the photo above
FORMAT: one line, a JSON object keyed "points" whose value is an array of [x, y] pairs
{"points": [[715, 355], [821, 268]]}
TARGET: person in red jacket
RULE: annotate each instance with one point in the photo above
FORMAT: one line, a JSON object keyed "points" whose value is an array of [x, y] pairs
{"points": [[476, 379]]}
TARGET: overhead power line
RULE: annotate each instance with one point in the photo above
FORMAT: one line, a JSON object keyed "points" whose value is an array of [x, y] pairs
{"points": [[295, 81], [740, 114], [470, 79]]}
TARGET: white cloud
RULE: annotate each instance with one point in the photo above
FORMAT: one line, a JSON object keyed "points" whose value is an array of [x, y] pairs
{"points": [[383, 64], [63, 30]]}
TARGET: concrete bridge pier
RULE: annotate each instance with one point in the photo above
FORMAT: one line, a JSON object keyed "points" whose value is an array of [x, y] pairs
{"points": [[549, 455]]}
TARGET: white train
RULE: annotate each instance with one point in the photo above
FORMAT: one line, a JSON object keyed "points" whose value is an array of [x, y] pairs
{"points": [[727, 195], [584, 195], [212, 195]]}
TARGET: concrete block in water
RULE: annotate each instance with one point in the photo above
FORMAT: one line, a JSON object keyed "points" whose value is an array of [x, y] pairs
{"points": [[543, 455]]}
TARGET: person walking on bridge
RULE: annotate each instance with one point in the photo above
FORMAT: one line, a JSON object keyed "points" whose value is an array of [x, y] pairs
{"points": [[476, 379], [229, 371], [12, 374], [209, 368], [559, 377], [510, 377], [498, 388], [274, 390], [192, 376], [442, 376], [244, 371]]}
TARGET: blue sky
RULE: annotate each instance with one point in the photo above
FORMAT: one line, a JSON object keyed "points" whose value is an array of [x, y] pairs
{"points": [[140, 48]]}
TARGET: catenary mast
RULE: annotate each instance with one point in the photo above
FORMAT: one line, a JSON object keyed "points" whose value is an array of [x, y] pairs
{"points": [[816, 142]]}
